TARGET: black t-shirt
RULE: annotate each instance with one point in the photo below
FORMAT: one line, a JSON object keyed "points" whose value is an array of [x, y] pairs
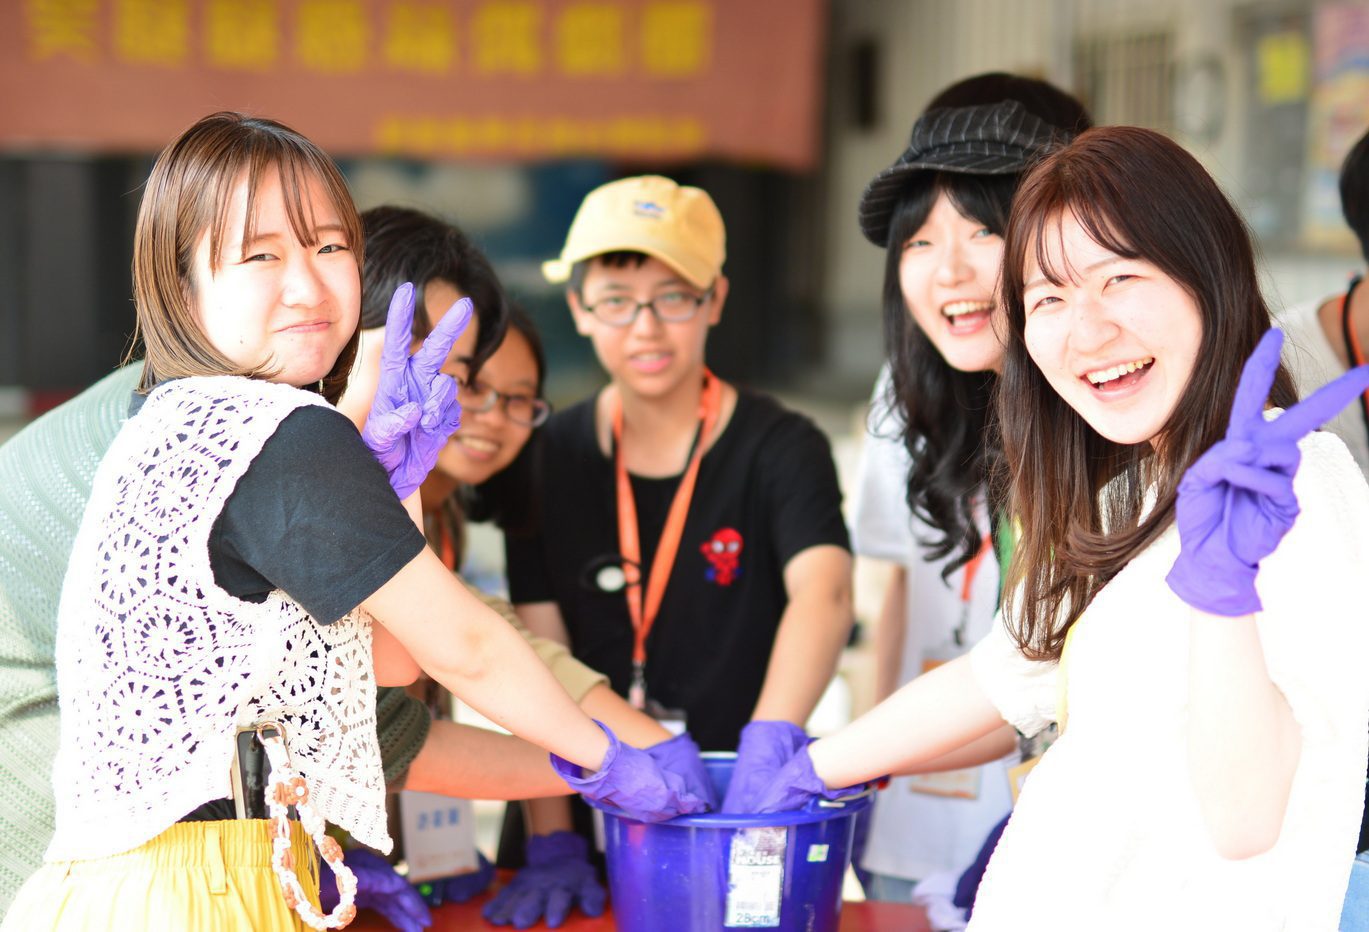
{"points": [[767, 490], [313, 515]]}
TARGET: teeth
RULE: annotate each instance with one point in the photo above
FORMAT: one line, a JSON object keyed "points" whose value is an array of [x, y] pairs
{"points": [[477, 443], [956, 308], [1099, 376]]}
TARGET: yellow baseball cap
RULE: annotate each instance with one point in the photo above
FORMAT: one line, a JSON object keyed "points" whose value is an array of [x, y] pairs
{"points": [[649, 214]]}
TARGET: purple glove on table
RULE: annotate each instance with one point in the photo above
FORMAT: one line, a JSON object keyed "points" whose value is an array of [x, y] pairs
{"points": [[632, 781], [793, 785], [415, 408], [680, 755], [378, 888], [558, 876], [458, 888], [764, 748], [1236, 502]]}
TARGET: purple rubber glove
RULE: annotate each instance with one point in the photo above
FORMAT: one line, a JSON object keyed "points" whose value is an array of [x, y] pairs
{"points": [[378, 888], [764, 748], [632, 781], [458, 888], [680, 755], [557, 877], [1236, 502], [415, 408], [793, 786]]}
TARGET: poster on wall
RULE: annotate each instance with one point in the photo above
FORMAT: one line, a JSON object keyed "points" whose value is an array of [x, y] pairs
{"points": [[517, 80], [1338, 115]]}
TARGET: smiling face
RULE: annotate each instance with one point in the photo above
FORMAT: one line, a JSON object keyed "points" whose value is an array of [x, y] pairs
{"points": [[1117, 340], [275, 301], [488, 441], [948, 273], [650, 358]]}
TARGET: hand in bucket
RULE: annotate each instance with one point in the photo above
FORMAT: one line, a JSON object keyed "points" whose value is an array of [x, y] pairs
{"points": [[764, 748], [680, 755], [793, 786], [1237, 502], [558, 876], [415, 408], [378, 888], [630, 780]]}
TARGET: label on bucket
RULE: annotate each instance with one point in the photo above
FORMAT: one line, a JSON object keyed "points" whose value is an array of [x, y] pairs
{"points": [[755, 878]]}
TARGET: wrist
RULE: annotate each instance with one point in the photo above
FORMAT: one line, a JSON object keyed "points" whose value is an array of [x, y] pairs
{"points": [[818, 759], [575, 775], [1228, 591], [556, 846]]}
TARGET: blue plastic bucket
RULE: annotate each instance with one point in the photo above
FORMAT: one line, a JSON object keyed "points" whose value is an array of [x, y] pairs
{"points": [[722, 871]]}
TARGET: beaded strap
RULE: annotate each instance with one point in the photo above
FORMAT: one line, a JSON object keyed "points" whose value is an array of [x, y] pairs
{"points": [[287, 788]]}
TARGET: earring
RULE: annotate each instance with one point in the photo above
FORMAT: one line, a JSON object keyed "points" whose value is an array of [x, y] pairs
{"points": [[320, 386]]}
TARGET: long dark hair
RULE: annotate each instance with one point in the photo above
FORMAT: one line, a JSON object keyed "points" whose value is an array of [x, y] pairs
{"points": [[1141, 196], [509, 497], [946, 415]]}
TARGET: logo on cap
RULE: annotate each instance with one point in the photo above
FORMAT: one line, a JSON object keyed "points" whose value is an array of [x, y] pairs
{"points": [[649, 209]]}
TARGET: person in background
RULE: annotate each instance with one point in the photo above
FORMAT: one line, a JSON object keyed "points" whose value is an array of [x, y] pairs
{"points": [[1326, 337], [1174, 500], [690, 543], [499, 371], [922, 499]]}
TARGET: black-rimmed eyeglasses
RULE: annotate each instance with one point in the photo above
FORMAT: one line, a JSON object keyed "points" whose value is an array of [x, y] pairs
{"points": [[671, 307], [525, 410]]}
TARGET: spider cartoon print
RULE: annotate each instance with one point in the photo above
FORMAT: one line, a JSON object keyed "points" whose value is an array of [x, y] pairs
{"points": [[723, 551]]}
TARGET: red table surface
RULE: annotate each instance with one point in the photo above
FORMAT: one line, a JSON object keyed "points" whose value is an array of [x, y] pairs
{"points": [[459, 917]]}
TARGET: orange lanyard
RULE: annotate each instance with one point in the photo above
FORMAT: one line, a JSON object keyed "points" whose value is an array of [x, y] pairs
{"points": [[642, 607], [966, 585]]}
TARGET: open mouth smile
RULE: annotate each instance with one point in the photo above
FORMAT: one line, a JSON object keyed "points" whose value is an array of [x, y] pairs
{"points": [[1120, 376]]}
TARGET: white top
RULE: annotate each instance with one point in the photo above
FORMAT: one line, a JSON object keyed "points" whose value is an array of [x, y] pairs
{"points": [[156, 664], [1107, 833], [1309, 356], [913, 831]]}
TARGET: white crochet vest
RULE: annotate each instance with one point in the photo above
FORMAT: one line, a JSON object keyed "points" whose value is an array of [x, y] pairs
{"points": [[157, 665]]}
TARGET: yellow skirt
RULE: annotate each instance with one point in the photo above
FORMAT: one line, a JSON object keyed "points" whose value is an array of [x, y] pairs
{"points": [[193, 876]]}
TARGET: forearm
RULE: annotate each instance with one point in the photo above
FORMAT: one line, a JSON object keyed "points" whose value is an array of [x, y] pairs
{"points": [[482, 660], [814, 628], [937, 713], [1243, 742], [997, 744], [635, 728], [475, 763], [890, 631], [498, 674], [544, 816]]}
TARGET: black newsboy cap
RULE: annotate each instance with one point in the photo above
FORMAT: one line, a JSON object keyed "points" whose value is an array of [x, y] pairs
{"points": [[987, 139]]}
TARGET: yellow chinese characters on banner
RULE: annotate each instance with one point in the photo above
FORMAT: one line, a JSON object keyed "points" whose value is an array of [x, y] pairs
{"points": [[519, 79]]}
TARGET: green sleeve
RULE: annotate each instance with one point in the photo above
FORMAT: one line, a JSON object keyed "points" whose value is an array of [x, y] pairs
{"points": [[402, 724]]}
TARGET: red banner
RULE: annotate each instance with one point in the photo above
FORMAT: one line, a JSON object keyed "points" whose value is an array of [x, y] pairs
{"points": [[494, 79]]}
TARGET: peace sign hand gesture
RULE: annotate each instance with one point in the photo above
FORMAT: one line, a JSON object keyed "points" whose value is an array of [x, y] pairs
{"points": [[1237, 502], [415, 408]]}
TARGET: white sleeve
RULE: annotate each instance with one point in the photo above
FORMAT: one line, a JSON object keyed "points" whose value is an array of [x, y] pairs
{"points": [[881, 526], [1314, 589], [1025, 692]]}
